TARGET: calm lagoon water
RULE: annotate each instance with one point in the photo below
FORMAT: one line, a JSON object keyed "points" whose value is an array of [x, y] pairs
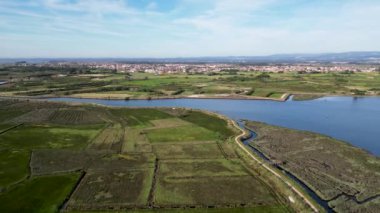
{"points": [[355, 120]]}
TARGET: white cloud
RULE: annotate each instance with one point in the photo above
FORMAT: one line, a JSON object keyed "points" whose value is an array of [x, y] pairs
{"points": [[194, 28], [89, 6]]}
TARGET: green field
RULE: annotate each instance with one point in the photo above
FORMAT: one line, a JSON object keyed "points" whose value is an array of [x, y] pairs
{"points": [[16, 146], [182, 133], [165, 158], [248, 84], [13, 166], [32, 137], [139, 117], [209, 122], [40, 194]]}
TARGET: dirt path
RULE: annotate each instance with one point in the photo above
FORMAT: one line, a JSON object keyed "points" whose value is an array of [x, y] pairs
{"points": [[271, 170], [153, 187]]}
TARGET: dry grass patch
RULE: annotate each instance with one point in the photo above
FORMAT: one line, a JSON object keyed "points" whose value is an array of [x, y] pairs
{"points": [[187, 150], [135, 141], [169, 123], [110, 136]]}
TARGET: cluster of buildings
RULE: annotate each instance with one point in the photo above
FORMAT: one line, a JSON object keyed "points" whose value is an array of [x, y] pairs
{"points": [[162, 68], [194, 68]]}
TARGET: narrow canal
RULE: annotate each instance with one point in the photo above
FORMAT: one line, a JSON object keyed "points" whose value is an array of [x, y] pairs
{"points": [[247, 141]]}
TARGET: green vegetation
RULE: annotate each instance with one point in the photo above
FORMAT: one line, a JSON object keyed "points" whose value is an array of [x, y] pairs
{"points": [[40, 194], [32, 137], [257, 209], [209, 122], [305, 97], [139, 117], [182, 133], [227, 84], [340, 173], [13, 167], [128, 158]]}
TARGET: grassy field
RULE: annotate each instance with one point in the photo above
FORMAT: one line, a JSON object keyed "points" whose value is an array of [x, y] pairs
{"points": [[40, 194], [181, 133], [123, 158], [139, 117], [33, 137], [211, 123], [340, 173], [187, 150], [13, 166], [249, 84]]}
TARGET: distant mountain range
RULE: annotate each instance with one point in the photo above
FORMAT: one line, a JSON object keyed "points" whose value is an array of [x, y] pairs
{"points": [[346, 57]]}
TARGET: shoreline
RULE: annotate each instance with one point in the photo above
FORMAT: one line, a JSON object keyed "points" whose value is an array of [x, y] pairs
{"points": [[284, 98], [226, 97], [96, 96]]}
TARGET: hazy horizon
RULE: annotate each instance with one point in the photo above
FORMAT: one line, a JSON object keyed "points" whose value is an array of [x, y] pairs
{"points": [[189, 57], [185, 28]]}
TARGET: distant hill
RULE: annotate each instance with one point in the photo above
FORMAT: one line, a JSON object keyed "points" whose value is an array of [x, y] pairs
{"points": [[346, 57]]}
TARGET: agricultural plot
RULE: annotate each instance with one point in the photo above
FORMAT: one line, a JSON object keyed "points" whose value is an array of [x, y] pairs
{"points": [[56, 161], [6, 114], [33, 137], [178, 142], [135, 141], [182, 134], [139, 117], [188, 150], [40, 194], [195, 183], [247, 84], [88, 158], [13, 166], [34, 116], [110, 138], [209, 122], [67, 116], [195, 163], [169, 123], [119, 189], [60, 161]]}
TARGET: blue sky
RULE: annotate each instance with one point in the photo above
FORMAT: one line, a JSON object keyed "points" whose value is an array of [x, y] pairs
{"points": [[186, 28]]}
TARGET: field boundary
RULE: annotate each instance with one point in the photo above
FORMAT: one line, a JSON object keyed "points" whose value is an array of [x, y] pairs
{"points": [[10, 128], [64, 204], [153, 186]]}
